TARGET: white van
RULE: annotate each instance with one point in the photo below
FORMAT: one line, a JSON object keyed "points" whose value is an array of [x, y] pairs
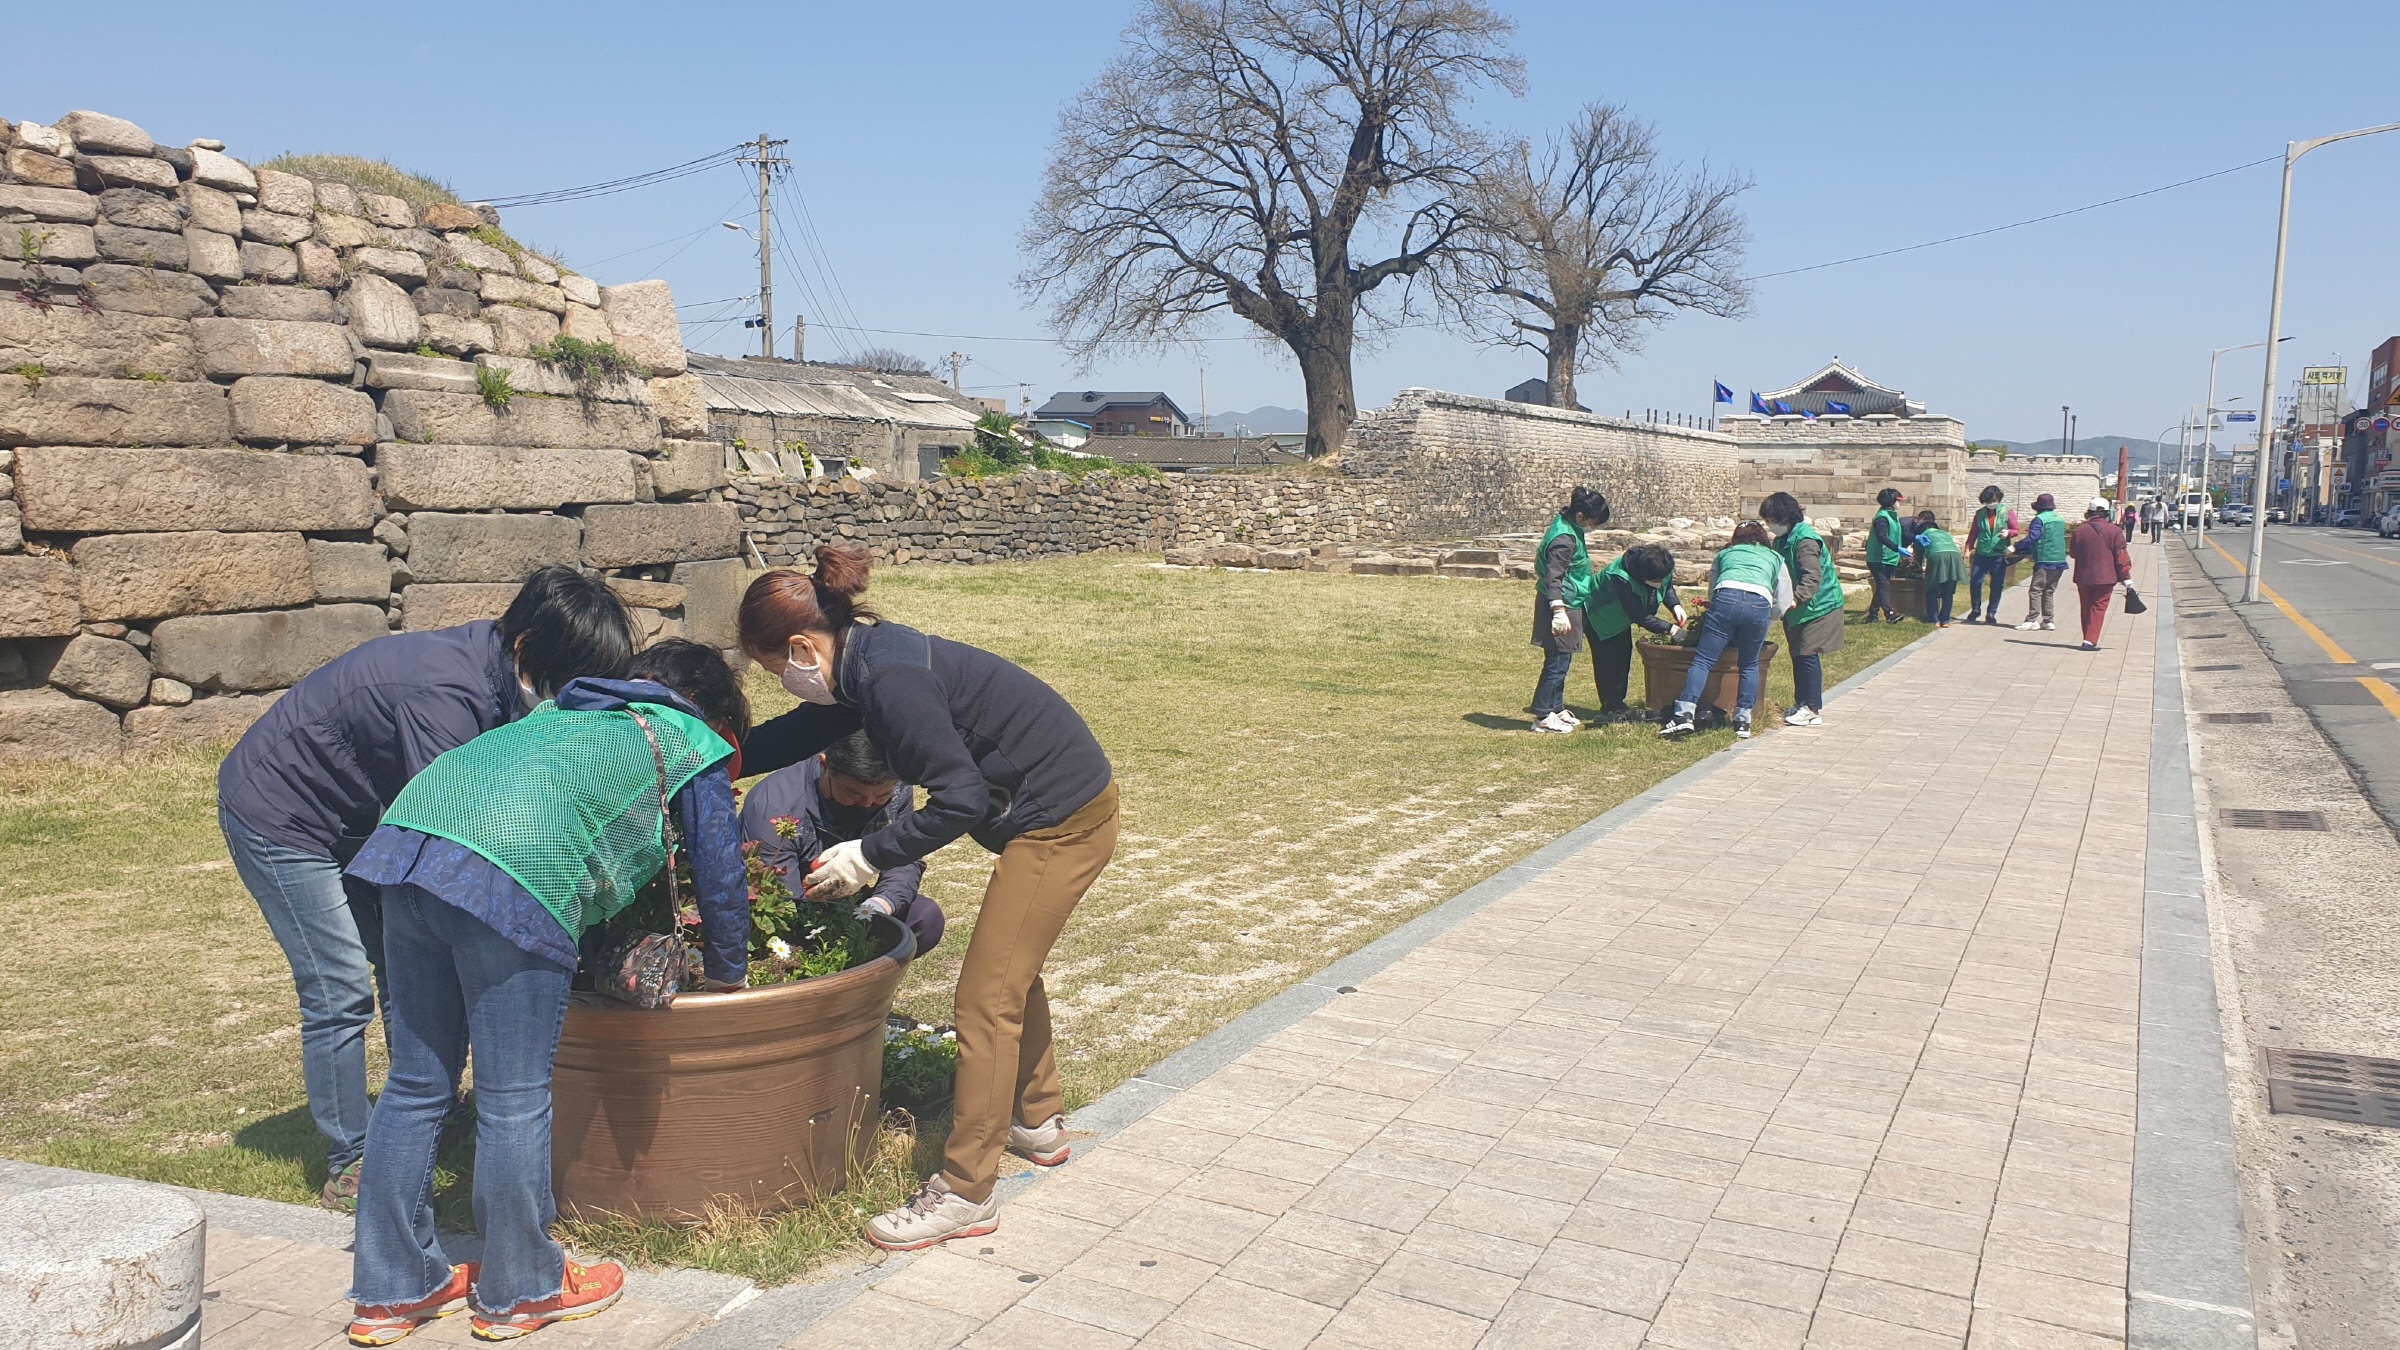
{"points": [[2194, 510]]}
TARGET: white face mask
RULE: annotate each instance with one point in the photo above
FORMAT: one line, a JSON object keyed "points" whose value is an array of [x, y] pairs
{"points": [[806, 683]]}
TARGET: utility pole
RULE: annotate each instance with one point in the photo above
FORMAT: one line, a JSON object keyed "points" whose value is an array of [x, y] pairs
{"points": [[1024, 400], [2065, 444], [763, 154], [956, 360]]}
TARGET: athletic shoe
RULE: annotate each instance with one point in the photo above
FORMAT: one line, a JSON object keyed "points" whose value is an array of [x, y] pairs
{"points": [[936, 1215], [1803, 717], [1678, 723], [384, 1323], [1741, 728], [1891, 618], [1975, 617], [1944, 625], [589, 1290], [1044, 1145], [1552, 725], [2028, 626], [2048, 626], [1567, 715], [341, 1190], [2091, 646]]}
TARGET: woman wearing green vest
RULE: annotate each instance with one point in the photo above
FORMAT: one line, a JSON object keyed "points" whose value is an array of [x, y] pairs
{"points": [[1989, 535], [1887, 548], [2046, 542], [1813, 625], [1630, 590], [493, 862], [1562, 571], [1945, 567], [1748, 587]]}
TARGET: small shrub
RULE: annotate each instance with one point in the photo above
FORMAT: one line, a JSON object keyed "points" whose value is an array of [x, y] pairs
{"points": [[426, 349], [29, 246], [493, 384], [588, 364], [32, 372]]}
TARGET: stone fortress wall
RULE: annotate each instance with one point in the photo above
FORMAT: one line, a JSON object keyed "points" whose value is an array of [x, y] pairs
{"points": [[2073, 479], [244, 427], [1836, 465]]}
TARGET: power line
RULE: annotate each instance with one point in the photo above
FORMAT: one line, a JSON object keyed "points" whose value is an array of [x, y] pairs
{"points": [[616, 185]]}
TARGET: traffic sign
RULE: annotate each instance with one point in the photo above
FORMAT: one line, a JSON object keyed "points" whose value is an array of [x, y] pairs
{"points": [[2241, 417], [2283, 485]]}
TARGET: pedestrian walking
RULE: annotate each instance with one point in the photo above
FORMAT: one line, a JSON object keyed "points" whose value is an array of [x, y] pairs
{"points": [[1749, 587], [308, 782], [2045, 542], [493, 863], [1562, 588], [1990, 533], [2154, 519], [1813, 625], [2101, 563], [1887, 548], [1631, 590], [1003, 758], [2129, 521], [1945, 567]]}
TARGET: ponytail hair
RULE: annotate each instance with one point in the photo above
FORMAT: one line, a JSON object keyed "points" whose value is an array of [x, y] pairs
{"points": [[785, 602]]}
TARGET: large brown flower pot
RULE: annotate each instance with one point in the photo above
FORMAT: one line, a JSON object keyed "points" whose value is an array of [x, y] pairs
{"points": [[1664, 669], [761, 1099], [1908, 596]]}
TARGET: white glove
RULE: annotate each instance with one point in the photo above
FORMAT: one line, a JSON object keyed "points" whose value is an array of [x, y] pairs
{"points": [[1560, 624], [1675, 633], [839, 871]]}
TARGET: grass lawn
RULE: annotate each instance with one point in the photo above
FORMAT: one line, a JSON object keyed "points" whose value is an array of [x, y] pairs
{"points": [[1307, 761]]}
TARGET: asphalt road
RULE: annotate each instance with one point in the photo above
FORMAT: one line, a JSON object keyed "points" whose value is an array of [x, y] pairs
{"points": [[2334, 636]]}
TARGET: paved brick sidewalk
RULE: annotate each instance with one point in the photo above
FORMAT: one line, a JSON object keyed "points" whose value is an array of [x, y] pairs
{"points": [[1835, 1047]]}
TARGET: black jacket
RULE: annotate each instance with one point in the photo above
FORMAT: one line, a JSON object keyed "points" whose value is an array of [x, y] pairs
{"points": [[796, 792], [997, 751]]}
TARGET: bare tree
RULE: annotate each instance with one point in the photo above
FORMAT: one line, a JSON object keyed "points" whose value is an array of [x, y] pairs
{"points": [[887, 361], [1591, 242], [1238, 155]]}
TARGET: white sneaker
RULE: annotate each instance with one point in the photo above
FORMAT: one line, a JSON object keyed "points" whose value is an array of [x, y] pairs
{"points": [[1678, 723], [1803, 717], [937, 1214], [2028, 626], [1567, 715], [1044, 1145], [2048, 626], [1741, 728], [1553, 725]]}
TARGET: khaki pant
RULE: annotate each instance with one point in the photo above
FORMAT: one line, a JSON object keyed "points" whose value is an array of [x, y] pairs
{"points": [[1005, 1067], [2040, 591]]}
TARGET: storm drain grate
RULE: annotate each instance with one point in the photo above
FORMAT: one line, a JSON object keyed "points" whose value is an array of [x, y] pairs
{"points": [[2249, 818], [2235, 666], [2235, 719], [2360, 1089]]}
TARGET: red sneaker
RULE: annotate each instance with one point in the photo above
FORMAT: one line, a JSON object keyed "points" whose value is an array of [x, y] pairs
{"points": [[384, 1323], [590, 1289]]}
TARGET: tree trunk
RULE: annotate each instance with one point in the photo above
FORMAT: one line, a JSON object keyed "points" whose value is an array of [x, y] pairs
{"points": [[1326, 376], [1565, 341]]}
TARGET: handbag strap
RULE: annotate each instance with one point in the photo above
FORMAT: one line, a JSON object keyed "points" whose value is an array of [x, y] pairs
{"points": [[666, 814]]}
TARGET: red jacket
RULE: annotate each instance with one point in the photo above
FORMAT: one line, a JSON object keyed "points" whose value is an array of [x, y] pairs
{"points": [[2098, 548]]}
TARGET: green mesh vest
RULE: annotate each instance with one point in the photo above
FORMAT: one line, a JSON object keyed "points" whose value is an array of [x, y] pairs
{"points": [[1608, 617], [1828, 598], [2051, 548], [567, 803], [1887, 555], [1577, 587]]}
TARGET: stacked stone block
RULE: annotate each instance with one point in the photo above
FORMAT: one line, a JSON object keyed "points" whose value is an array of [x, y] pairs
{"points": [[2073, 479], [1836, 465], [242, 431], [957, 520]]}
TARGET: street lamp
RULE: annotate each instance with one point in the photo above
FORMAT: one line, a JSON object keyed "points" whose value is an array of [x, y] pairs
{"points": [[2292, 151], [2209, 448]]}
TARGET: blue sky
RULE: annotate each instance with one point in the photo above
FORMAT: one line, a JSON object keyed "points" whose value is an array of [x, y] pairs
{"points": [[918, 133]]}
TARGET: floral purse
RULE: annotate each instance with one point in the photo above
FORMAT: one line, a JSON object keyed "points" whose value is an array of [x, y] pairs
{"points": [[647, 970]]}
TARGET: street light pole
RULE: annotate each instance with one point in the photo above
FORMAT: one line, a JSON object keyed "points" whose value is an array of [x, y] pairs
{"points": [[2292, 151]]}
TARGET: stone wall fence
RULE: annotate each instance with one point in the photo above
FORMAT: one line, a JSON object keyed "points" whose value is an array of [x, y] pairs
{"points": [[249, 421], [2073, 479], [1836, 465]]}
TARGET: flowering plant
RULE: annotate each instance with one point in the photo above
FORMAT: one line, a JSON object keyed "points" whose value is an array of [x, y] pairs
{"points": [[791, 936], [920, 1065]]}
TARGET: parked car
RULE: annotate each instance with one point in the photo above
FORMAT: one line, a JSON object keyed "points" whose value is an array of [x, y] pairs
{"points": [[2389, 526], [2234, 513], [2194, 510], [2350, 518], [2276, 516]]}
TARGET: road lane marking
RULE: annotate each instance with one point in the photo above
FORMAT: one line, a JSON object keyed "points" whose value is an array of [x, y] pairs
{"points": [[2384, 693], [2388, 562]]}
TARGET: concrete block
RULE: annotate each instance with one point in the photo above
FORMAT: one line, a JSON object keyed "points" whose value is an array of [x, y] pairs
{"points": [[79, 410], [447, 605], [39, 725], [153, 576], [361, 572], [443, 547], [243, 652], [272, 347], [627, 536], [457, 419], [641, 315], [712, 600], [37, 597], [104, 670], [218, 721], [80, 490], [70, 340], [480, 477], [283, 409], [687, 469]]}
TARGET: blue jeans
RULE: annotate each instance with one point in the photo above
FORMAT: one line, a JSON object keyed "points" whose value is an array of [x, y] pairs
{"points": [[1736, 619], [334, 942], [1550, 693], [1993, 569], [455, 982], [1808, 682]]}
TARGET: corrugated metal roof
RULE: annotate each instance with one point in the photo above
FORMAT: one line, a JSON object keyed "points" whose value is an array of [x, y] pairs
{"points": [[1191, 452], [815, 391]]}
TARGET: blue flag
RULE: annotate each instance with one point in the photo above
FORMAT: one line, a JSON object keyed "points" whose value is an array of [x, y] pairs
{"points": [[1836, 405], [1724, 395], [1810, 416], [1759, 405], [1783, 407]]}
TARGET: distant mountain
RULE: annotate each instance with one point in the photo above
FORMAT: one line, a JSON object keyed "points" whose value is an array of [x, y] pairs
{"points": [[1267, 421], [2104, 448]]}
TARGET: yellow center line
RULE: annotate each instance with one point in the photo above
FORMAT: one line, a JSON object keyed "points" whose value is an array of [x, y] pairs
{"points": [[2384, 693]]}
